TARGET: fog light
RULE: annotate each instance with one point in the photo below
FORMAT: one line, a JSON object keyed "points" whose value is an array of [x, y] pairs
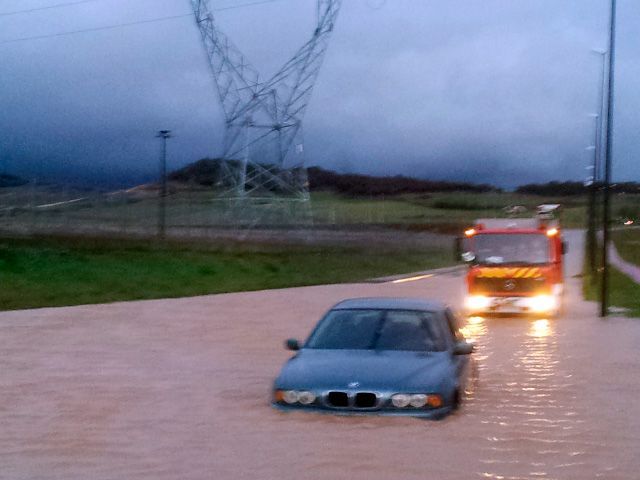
{"points": [[543, 303], [401, 400], [291, 396], [306, 398], [477, 302]]}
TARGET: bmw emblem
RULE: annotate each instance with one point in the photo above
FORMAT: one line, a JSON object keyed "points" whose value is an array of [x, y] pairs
{"points": [[509, 285], [354, 385]]}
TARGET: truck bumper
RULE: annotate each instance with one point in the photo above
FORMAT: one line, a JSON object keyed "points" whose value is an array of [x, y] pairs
{"points": [[548, 305]]}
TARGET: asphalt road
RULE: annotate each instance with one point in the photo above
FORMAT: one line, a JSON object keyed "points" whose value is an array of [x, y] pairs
{"points": [[179, 389]]}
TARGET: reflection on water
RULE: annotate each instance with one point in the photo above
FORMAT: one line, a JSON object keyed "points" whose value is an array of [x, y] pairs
{"points": [[540, 328], [527, 398], [474, 329]]}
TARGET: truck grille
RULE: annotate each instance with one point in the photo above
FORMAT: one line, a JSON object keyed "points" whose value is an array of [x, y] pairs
{"points": [[487, 286]]}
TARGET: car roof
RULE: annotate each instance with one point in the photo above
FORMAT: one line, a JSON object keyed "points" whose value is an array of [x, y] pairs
{"points": [[385, 303]]}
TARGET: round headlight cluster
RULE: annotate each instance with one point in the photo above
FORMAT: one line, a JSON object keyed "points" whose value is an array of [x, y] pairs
{"points": [[292, 397], [416, 400]]}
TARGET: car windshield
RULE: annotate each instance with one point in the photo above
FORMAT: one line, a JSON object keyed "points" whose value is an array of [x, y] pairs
{"points": [[501, 248], [407, 330]]}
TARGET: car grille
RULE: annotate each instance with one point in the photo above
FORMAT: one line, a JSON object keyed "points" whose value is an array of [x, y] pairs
{"points": [[488, 286], [338, 399], [364, 400]]}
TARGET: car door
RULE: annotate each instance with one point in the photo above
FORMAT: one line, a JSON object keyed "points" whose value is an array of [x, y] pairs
{"points": [[462, 363]]}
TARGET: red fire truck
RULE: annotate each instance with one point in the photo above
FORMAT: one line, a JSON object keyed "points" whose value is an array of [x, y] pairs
{"points": [[515, 265]]}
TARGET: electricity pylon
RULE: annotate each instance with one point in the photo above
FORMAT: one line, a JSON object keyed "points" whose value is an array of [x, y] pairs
{"points": [[262, 161]]}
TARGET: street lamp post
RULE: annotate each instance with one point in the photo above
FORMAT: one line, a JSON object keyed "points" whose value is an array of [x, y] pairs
{"points": [[591, 214], [604, 294], [164, 135], [601, 144]]}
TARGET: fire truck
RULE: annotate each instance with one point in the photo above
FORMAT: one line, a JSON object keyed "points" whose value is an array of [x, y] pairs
{"points": [[515, 265]]}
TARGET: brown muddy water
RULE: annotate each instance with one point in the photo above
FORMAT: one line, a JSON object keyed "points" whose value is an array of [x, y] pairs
{"points": [[179, 389]]}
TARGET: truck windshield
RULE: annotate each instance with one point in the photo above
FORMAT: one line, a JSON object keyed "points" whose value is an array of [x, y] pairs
{"points": [[518, 248]]}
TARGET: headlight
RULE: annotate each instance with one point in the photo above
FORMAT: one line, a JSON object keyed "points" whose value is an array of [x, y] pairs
{"points": [[401, 400], [291, 396], [306, 398], [294, 396], [416, 400], [543, 303], [477, 302]]}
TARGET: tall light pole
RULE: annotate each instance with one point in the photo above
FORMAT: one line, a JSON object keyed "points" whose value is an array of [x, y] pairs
{"points": [[592, 215], [162, 208], [604, 294], [602, 97]]}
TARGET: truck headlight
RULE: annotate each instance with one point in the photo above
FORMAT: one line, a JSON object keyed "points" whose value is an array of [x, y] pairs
{"points": [[543, 303], [477, 302]]}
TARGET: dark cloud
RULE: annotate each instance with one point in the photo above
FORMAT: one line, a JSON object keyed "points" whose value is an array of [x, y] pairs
{"points": [[494, 90]]}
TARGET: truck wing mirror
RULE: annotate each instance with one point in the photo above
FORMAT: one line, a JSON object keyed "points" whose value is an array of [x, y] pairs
{"points": [[468, 257], [457, 248], [565, 248]]}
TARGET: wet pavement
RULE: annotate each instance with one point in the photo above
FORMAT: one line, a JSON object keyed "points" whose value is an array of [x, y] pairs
{"points": [[179, 388]]}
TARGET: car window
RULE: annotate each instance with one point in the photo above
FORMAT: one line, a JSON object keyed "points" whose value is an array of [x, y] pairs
{"points": [[405, 330], [410, 331], [347, 329]]}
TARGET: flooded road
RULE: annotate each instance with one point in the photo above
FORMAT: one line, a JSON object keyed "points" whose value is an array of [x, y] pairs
{"points": [[179, 389]]}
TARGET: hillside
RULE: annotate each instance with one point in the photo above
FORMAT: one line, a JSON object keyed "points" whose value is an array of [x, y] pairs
{"points": [[206, 171]]}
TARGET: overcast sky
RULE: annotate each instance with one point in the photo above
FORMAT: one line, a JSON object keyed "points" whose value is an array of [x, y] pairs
{"points": [[496, 91]]}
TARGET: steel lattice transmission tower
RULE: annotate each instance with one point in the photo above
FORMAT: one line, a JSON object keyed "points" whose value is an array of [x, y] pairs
{"points": [[262, 161]]}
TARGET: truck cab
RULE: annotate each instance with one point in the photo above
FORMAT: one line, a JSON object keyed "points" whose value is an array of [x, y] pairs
{"points": [[515, 265]]}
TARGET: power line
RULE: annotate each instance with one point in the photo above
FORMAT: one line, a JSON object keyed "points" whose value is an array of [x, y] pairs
{"points": [[80, 2], [57, 5], [117, 25], [242, 5], [95, 29]]}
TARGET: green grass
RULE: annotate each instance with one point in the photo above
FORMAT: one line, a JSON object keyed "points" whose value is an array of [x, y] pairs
{"points": [[198, 209], [453, 211], [627, 243], [40, 273], [623, 291]]}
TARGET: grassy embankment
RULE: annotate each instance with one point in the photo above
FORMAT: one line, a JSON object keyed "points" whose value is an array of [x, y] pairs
{"points": [[196, 209], [624, 291], [39, 273], [447, 212]]}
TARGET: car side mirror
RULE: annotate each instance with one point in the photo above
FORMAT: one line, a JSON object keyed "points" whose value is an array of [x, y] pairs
{"points": [[292, 344], [463, 348], [565, 248]]}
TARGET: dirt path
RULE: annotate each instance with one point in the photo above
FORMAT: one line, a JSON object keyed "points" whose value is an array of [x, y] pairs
{"points": [[178, 389], [629, 269]]}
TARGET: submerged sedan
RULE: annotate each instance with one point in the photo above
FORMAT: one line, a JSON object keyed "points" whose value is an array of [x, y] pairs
{"points": [[378, 355]]}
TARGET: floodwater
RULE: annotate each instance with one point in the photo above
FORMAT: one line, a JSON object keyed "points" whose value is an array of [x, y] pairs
{"points": [[179, 389]]}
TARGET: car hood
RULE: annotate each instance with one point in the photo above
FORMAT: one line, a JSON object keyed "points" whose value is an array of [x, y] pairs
{"points": [[376, 370]]}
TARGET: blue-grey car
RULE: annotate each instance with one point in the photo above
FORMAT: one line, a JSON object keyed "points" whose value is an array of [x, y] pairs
{"points": [[391, 356]]}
